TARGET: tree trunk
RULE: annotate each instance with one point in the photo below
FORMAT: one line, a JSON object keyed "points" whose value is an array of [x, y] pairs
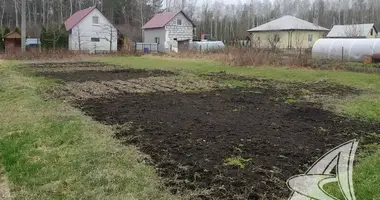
{"points": [[61, 11], [29, 14], [16, 12], [43, 12], [35, 12], [71, 7]]}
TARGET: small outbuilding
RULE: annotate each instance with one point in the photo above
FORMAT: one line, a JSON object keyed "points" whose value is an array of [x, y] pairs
{"points": [[353, 31], [12, 42]]}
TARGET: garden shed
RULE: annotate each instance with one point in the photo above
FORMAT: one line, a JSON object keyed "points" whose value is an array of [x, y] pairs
{"points": [[12, 42]]}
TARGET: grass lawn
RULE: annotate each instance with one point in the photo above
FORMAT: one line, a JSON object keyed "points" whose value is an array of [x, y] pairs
{"points": [[365, 107], [50, 150]]}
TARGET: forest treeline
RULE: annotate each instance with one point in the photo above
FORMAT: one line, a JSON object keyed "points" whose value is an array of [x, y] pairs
{"points": [[223, 21]]}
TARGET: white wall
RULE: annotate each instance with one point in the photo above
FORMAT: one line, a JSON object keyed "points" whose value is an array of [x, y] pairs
{"points": [[151, 34], [181, 32], [169, 33], [82, 33]]}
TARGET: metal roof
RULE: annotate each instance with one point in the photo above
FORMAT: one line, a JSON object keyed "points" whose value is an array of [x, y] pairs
{"points": [[287, 23], [74, 19], [34, 41], [160, 20], [354, 30]]}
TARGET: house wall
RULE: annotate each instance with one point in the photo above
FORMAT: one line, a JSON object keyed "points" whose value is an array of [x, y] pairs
{"points": [[151, 34], [295, 39], [300, 39], [179, 32], [81, 34], [374, 34]]}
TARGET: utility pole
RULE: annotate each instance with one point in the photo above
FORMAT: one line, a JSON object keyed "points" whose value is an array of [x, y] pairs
{"points": [[23, 25]]}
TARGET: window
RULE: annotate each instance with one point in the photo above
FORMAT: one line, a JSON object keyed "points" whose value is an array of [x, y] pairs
{"points": [[95, 20], [371, 32], [310, 38], [276, 38], [95, 39], [179, 22], [157, 40], [258, 38]]}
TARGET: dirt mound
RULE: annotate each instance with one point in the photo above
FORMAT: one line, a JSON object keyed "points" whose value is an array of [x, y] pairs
{"points": [[234, 144]]}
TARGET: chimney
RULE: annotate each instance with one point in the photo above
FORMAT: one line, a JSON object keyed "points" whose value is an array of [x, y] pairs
{"points": [[316, 21]]}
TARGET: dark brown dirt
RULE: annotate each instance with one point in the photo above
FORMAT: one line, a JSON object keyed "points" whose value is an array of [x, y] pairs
{"points": [[96, 76], [97, 72], [189, 136]]}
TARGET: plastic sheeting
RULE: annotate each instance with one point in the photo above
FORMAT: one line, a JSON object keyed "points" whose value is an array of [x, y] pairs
{"points": [[207, 45], [345, 49]]}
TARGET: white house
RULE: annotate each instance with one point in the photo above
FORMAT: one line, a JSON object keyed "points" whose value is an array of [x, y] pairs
{"points": [[90, 31], [171, 30], [353, 31]]}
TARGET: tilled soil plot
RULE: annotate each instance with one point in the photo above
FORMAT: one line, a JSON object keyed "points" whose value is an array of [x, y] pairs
{"points": [[231, 144], [96, 72]]}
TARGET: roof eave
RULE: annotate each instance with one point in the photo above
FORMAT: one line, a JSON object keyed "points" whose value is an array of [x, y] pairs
{"points": [[279, 30]]}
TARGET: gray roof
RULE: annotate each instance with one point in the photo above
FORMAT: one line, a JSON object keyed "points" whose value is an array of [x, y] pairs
{"points": [[286, 23], [354, 30]]}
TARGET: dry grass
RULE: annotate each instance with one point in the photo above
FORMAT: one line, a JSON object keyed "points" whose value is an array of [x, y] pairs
{"points": [[232, 56], [60, 54]]}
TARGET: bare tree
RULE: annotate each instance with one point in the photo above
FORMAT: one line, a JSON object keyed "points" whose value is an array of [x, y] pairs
{"points": [[2, 7], [109, 34], [353, 31], [273, 40], [16, 6], [299, 41]]}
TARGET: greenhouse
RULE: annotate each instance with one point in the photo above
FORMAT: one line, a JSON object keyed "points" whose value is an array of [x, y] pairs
{"points": [[345, 49]]}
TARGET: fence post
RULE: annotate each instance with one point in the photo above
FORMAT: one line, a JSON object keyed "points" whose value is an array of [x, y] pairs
{"points": [[150, 47]]}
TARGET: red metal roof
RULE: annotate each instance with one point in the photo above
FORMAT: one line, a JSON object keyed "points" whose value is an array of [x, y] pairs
{"points": [[161, 19], [77, 17]]}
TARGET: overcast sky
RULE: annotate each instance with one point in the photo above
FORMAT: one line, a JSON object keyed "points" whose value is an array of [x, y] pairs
{"points": [[225, 1]]}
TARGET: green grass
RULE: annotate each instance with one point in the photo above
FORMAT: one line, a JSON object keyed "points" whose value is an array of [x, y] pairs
{"points": [[237, 161], [50, 150], [360, 80], [365, 107]]}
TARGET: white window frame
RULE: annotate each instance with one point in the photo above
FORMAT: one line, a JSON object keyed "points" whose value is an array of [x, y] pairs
{"points": [[95, 21]]}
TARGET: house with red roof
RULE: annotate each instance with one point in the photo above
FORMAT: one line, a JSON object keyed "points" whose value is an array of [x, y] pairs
{"points": [[171, 30], [89, 30]]}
